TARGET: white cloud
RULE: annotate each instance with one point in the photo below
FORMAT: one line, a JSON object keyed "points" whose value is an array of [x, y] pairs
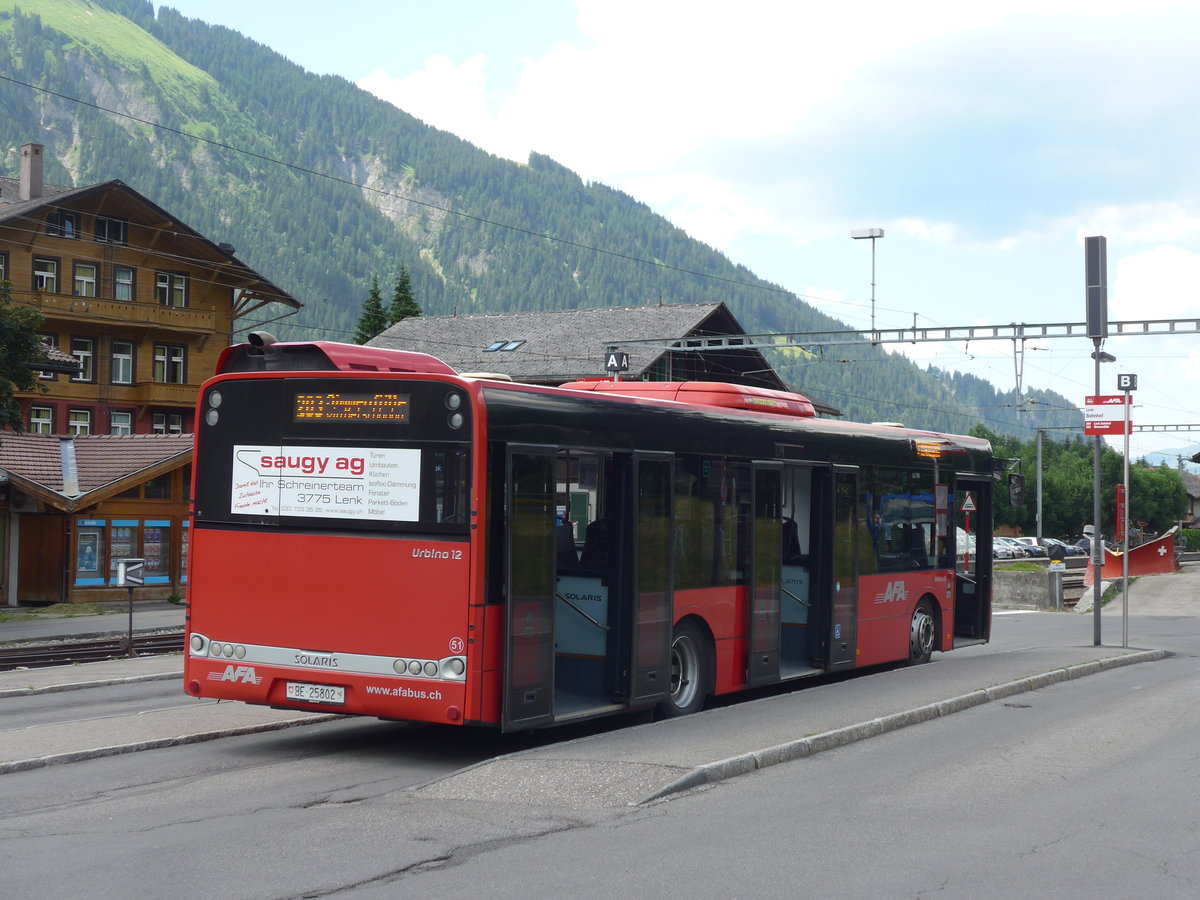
{"points": [[1163, 283], [443, 94], [937, 232]]}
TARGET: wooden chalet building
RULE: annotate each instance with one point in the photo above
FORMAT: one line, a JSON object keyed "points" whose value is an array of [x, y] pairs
{"points": [[558, 346], [144, 305]]}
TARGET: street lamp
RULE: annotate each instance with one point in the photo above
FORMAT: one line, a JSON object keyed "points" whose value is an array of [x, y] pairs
{"points": [[862, 234]]}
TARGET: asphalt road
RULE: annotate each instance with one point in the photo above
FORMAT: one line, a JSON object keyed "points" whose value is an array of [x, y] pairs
{"points": [[971, 800]]}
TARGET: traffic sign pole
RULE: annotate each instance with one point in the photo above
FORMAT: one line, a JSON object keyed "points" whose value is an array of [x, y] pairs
{"points": [[1127, 383]]}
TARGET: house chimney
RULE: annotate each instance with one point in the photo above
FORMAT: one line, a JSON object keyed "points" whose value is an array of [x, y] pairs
{"points": [[31, 171]]}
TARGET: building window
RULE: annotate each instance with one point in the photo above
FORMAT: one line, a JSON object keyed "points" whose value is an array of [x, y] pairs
{"points": [[50, 342], [167, 423], [169, 362], [503, 346], [122, 362], [111, 231], [79, 422], [157, 488], [123, 540], [85, 280], [120, 422], [62, 223], [170, 288], [156, 550], [84, 350], [123, 283], [3, 267], [45, 274], [41, 420], [90, 541]]}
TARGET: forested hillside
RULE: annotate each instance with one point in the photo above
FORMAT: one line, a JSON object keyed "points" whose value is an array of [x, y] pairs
{"points": [[320, 186]]}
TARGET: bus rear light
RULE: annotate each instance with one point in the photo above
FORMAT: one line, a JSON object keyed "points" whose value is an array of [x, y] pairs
{"points": [[197, 643], [455, 421], [449, 669], [228, 651]]}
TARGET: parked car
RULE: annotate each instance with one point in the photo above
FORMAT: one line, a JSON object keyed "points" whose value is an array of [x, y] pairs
{"points": [[1016, 546], [1069, 549], [1001, 550], [1032, 547]]}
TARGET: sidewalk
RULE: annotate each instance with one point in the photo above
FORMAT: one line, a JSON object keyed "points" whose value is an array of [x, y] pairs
{"points": [[43, 628]]}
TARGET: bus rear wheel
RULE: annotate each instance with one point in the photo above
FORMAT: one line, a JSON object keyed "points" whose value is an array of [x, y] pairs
{"points": [[922, 634], [689, 671]]}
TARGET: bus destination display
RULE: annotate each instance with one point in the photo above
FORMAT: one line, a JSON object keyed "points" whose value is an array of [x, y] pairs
{"points": [[334, 406]]}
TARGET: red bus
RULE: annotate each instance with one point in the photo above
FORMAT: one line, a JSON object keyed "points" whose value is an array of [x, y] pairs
{"points": [[375, 534]]}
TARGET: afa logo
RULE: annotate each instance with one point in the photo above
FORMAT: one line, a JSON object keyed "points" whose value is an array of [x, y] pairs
{"points": [[895, 592], [240, 674]]}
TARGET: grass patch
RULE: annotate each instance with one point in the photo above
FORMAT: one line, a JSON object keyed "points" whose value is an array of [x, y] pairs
{"points": [[1018, 567], [57, 611]]}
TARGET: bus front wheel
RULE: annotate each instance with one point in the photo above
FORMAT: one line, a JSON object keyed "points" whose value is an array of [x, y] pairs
{"points": [[922, 634], [689, 671]]}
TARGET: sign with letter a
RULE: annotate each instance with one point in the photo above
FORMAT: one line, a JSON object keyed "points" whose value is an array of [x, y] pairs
{"points": [[616, 361]]}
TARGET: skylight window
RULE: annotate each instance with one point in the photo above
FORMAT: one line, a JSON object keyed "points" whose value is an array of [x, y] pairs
{"points": [[503, 346]]}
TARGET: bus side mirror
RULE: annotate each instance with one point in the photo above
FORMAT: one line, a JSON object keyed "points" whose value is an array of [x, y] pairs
{"points": [[1016, 489]]}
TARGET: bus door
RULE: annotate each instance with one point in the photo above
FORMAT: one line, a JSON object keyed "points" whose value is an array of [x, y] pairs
{"points": [[653, 602], [849, 545], [766, 551], [972, 515], [802, 569], [530, 567]]}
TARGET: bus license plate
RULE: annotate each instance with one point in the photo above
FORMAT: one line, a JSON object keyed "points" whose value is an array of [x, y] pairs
{"points": [[315, 693]]}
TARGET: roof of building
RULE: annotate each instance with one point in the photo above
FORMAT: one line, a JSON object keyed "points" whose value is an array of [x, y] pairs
{"points": [[557, 346], [1191, 482], [54, 195], [105, 464], [548, 345]]}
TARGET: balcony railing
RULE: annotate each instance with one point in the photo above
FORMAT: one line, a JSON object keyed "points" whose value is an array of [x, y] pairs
{"points": [[98, 309], [154, 393]]}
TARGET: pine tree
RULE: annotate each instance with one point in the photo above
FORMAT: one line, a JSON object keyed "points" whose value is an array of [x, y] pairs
{"points": [[373, 319], [404, 305]]}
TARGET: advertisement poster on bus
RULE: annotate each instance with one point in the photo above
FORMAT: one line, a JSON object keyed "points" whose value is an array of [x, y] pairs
{"points": [[369, 483]]}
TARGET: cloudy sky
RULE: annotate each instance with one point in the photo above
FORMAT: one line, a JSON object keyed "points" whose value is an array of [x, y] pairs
{"points": [[985, 139]]}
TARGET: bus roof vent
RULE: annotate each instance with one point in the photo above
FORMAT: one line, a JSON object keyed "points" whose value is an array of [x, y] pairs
{"points": [[325, 356], [705, 393]]}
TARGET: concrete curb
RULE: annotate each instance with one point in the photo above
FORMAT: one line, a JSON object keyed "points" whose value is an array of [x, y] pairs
{"points": [[710, 773], [79, 685], [24, 765]]}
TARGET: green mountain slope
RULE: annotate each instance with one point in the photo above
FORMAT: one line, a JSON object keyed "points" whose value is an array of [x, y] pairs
{"points": [[319, 185]]}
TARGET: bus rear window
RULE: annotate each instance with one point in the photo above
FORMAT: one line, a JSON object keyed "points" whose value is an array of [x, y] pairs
{"points": [[386, 456]]}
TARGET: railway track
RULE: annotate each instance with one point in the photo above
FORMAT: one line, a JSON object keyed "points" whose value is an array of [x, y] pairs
{"points": [[62, 653]]}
